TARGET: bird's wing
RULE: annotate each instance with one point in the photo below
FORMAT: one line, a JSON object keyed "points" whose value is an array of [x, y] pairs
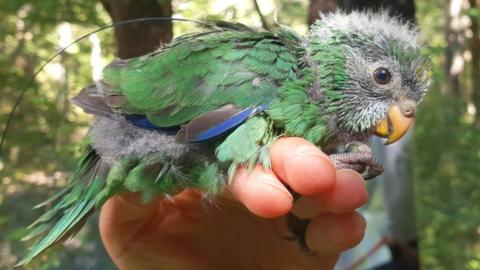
{"points": [[211, 80]]}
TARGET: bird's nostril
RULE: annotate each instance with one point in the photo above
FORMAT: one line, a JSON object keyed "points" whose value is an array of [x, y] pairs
{"points": [[407, 108], [410, 112]]}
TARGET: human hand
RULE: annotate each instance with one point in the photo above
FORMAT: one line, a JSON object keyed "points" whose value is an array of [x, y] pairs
{"points": [[245, 227]]}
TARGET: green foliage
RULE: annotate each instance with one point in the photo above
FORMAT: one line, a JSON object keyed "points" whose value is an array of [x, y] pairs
{"points": [[474, 13], [42, 145], [288, 12], [446, 160]]}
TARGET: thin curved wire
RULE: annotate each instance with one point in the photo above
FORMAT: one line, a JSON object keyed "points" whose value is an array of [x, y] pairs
{"points": [[139, 20]]}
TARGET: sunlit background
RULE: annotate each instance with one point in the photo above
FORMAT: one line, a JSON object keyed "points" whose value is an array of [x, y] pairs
{"points": [[44, 138]]}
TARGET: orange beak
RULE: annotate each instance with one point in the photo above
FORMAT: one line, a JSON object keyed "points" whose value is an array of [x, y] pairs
{"points": [[394, 126]]}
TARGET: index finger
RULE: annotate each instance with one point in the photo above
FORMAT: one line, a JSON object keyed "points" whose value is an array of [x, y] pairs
{"points": [[302, 166]]}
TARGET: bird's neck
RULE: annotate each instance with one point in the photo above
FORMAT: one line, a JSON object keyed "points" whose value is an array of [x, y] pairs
{"points": [[297, 113], [328, 66]]}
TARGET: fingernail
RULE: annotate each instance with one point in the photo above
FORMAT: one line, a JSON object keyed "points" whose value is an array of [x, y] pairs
{"points": [[276, 186]]}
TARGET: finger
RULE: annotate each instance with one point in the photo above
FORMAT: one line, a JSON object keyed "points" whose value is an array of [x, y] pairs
{"points": [[330, 234], [348, 194], [261, 192], [302, 166]]}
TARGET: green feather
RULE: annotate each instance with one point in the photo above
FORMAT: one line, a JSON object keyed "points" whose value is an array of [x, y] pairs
{"points": [[243, 145], [115, 179], [295, 112], [70, 212], [198, 73], [209, 178]]}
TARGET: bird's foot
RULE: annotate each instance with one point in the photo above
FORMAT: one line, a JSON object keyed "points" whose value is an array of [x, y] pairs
{"points": [[358, 157]]}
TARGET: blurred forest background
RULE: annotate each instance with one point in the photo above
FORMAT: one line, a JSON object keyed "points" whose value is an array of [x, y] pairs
{"points": [[42, 145]]}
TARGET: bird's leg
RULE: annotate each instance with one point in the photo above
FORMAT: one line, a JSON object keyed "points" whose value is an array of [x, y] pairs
{"points": [[358, 157], [298, 228]]}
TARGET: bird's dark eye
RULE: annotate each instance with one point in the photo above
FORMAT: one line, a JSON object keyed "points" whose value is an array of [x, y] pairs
{"points": [[382, 76]]}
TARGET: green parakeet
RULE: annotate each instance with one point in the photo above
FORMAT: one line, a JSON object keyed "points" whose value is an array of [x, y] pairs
{"points": [[189, 114]]}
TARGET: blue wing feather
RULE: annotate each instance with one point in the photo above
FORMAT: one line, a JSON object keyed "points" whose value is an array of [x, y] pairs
{"points": [[229, 124], [142, 122]]}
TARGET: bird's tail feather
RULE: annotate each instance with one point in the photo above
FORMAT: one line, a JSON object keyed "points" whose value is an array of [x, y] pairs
{"points": [[72, 206], [94, 182]]}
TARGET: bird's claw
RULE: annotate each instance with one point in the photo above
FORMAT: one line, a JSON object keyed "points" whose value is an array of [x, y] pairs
{"points": [[358, 157], [357, 147], [298, 227]]}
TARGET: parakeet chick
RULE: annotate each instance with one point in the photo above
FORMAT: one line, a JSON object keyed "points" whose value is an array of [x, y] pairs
{"points": [[189, 114]]}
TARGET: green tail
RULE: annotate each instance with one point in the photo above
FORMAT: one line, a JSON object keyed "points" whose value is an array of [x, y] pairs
{"points": [[94, 182], [72, 206]]}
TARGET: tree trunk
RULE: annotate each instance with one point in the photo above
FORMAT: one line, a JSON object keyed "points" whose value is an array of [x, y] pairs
{"points": [[317, 6], [140, 38], [402, 8], [454, 62], [475, 49], [260, 14]]}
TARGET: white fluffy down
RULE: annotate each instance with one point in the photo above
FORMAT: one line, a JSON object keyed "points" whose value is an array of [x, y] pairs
{"points": [[114, 138], [377, 24]]}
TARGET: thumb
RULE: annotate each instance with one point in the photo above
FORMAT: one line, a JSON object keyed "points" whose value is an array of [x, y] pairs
{"points": [[127, 207], [124, 215]]}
